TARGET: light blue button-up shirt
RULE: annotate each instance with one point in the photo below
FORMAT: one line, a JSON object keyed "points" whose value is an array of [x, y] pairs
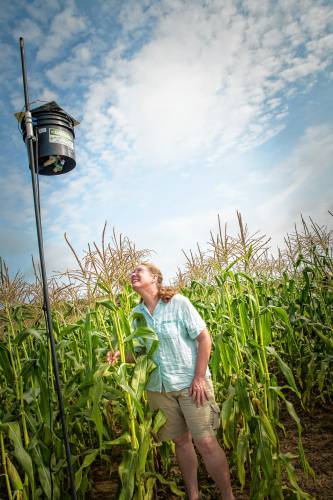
{"points": [[177, 324]]}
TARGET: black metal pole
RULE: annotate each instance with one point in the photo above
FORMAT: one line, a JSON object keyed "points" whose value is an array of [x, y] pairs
{"points": [[33, 166]]}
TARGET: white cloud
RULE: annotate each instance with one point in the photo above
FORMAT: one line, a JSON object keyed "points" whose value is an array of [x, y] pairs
{"points": [[16, 200], [315, 18], [132, 16], [48, 95], [297, 185], [172, 235], [42, 10], [7, 56], [301, 68], [58, 257], [209, 80], [29, 30], [310, 159], [270, 200], [64, 27], [73, 69]]}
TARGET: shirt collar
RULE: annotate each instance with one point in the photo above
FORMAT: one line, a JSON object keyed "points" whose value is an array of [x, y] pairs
{"points": [[145, 308]]}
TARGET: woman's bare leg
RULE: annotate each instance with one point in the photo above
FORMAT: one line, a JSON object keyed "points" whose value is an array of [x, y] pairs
{"points": [[188, 463], [216, 465]]}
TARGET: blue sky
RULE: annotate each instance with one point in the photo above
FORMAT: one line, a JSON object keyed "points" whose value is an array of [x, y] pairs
{"points": [[187, 108]]}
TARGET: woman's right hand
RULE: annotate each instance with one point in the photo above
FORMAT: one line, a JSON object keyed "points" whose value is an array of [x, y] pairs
{"points": [[112, 357]]}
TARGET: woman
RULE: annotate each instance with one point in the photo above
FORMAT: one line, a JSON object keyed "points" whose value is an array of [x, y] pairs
{"points": [[181, 385]]}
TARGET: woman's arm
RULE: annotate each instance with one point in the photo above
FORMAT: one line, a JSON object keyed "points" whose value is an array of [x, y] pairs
{"points": [[198, 388]]}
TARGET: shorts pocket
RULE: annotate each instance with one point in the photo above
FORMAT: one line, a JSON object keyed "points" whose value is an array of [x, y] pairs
{"points": [[214, 416]]}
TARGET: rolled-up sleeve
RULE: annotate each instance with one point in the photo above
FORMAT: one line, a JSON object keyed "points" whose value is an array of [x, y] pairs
{"points": [[192, 320]]}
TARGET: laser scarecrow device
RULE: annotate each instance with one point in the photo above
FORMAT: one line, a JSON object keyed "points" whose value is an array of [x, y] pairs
{"points": [[53, 130], [48, 132]]}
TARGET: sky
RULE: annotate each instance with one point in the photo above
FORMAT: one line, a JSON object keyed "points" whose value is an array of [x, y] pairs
{"points": [[188, 109]]}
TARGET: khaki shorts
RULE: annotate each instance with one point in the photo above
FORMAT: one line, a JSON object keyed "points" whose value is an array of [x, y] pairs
{"points": [[183, 415]]}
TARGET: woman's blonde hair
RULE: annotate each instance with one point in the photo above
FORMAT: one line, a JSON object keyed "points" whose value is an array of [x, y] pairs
{"points": [[165, 292]]}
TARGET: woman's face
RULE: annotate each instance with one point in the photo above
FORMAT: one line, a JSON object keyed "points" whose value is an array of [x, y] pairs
{"points": [[142, 278]]}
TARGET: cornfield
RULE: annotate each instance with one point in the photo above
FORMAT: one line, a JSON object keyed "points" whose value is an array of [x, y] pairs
{"points": [[270, 319]]}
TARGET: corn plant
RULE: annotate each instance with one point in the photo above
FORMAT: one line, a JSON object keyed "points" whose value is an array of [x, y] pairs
{"points": [[99, 400], [271, 324]]}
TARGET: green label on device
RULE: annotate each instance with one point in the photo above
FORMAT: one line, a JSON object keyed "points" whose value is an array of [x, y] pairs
{"points": [[61, 137]]}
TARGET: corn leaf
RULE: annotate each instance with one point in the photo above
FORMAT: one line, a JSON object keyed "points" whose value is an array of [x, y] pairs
{"points": [[123, 439], [88, 460], [21, 455], [284, 369], [267, 425], [14, 475], [5, 364], [171, 484], [96, 393], [126, 471], [242, 453], [43, 470]]}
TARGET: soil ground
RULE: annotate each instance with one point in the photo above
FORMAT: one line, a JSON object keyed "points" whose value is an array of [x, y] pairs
{"points": [[318, 446]]}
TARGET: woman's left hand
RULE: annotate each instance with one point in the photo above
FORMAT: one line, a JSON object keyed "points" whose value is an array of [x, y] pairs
{"points": [[198, 391]]}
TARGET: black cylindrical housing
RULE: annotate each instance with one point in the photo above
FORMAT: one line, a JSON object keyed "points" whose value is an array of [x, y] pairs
{"points": [[54, 130]]}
